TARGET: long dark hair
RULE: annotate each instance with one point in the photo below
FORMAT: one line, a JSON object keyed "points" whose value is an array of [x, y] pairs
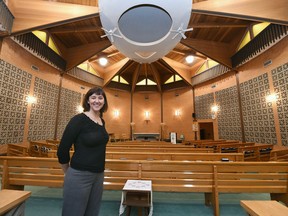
{"points": [[97, 91]]}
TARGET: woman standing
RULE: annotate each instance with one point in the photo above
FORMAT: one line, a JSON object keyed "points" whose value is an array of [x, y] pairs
{"points": [[84, 172]]}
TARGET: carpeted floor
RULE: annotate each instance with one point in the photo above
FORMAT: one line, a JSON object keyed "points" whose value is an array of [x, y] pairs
{"points": [[47, 202]]}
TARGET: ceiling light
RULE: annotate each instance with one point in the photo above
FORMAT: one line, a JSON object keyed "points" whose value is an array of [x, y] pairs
{"points": [[145, 31], [189, 59], [103, 61]]}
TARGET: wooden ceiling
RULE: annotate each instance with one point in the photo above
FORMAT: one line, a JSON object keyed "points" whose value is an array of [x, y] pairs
{"points": [[218, 28]]}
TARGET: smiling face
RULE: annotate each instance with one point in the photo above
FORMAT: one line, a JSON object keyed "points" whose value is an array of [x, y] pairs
{"points": [[96, 102]]}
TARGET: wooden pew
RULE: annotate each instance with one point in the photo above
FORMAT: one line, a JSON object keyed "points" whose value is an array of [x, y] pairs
{"points": [[12, 201], [129, 145], [53, 153], [214, 144], [258, 152], [175, 156], [264, 207], [147, 151], [17, 150], [210, 178], [231, 147], [53, 141], [195, 142], [155, 149], [251, 177], [141, 142], [41, 148], [279, 155]]}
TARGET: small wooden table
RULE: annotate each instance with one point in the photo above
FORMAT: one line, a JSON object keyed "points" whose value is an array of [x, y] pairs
{"points": [[137, 193], [10, 199], [264, 208]]}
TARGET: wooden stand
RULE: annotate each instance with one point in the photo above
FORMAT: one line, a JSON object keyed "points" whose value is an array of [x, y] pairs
{"points": [[138, 199], [137, 193]]}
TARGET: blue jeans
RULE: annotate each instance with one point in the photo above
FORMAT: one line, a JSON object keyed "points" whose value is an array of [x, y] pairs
{"points": [[82, 193]]}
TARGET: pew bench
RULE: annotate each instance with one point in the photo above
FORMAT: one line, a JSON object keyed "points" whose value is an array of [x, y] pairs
{"points": [[213, 144], [12, 201], [264, 208], [231, 147], [210, 178], [175, 156], [17, 150], [162, 149], [40, 148], [258, 152], [157, 154], [279, 155]]}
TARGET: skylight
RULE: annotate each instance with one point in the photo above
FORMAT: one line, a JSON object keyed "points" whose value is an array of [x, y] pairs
{"points": [[146, 82]]}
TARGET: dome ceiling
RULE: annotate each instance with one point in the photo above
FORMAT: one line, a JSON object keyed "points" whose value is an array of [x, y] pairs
{"points": [[80, 33]]}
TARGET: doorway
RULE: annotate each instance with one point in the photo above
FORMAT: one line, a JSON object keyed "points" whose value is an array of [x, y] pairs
{"points": [[206, 131]]}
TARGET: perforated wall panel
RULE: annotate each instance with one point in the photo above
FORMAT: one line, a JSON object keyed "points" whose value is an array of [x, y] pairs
{"points": [[203, 105], [280, 83], [69, 102], [14, 87], [43, 112], [229, 125], [258, 114]]}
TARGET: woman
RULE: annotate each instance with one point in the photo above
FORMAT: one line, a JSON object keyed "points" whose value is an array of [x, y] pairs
{"points": [[84, 173]]}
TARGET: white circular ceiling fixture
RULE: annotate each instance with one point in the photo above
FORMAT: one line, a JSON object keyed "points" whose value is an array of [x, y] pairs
{"points": [[145, 31]]}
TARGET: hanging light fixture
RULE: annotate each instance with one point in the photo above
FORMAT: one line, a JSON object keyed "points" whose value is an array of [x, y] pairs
{"points": [[145, 31]]}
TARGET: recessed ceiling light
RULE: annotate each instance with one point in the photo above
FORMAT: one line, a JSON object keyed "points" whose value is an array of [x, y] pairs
{"points": [[103, 61], [189, 59]]}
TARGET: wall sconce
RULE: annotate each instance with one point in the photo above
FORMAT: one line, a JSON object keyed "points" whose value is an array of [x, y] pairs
{"points": [[31, 99], [177, 113], [271, 98], [147, 116], [116, 113], [80, 109], [214, 110]]}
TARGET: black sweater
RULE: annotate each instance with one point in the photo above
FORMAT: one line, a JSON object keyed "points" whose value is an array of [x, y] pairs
{"points": [[89, 139]]}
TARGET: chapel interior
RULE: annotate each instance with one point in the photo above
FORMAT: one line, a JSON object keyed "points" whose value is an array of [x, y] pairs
{"points": [[239, 54], [199, 70]]}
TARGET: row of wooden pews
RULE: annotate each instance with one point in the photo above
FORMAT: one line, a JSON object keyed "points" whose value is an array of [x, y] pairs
{"points": [[173, 168], [211, 178], [251, 151]]}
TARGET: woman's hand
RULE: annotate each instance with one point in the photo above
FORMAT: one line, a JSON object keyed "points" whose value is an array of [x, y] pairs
{"points": [[65, 167]]}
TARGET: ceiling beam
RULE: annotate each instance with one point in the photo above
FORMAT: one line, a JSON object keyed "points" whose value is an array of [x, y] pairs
{"points": [[69, 30], [135, 77], [219, 52], [76, 55], [258, 10], [186, 53], [217, 25], [115, 69], [156, 76], [33, 15], [182, 70]]}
